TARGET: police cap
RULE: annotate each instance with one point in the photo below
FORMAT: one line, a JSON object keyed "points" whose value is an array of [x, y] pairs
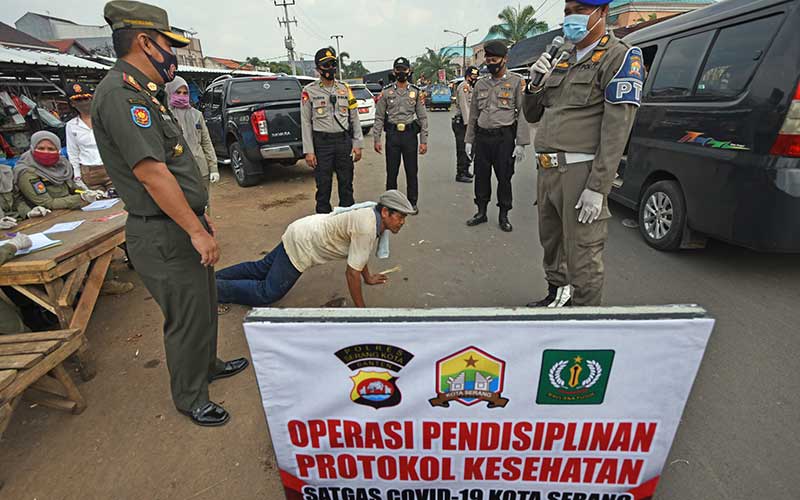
{"points": [[125, 14], [79, 90], [324, 55], [401, 62], [471, 71], [495, 48]]}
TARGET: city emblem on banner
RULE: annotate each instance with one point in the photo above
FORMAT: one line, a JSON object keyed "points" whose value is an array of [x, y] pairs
{"points": [[470, 376], [376, 367], [577, 377]]}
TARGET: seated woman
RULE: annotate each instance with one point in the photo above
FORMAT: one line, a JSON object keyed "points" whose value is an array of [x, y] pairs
{"points": [[13, 206], [45, 178]]}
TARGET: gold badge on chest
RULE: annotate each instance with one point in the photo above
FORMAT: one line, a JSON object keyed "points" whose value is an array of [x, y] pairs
{"points": [[177, 150], [412, 94]]}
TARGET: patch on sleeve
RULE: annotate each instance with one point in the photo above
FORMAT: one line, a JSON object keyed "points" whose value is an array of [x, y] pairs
{"points": [[626, 86], [38, 186], [141, 116]]}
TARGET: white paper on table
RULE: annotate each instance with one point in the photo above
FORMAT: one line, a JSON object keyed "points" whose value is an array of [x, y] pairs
{"points": [[63, 227], [39, 241], [100, 205]]}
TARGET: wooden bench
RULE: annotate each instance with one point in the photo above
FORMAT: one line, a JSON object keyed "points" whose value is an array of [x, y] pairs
{"points": [[33, 362]]}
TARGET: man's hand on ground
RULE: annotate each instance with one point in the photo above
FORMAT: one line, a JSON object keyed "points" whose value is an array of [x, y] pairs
{"points": [[376, 279], [311, 160], [206, 246]]}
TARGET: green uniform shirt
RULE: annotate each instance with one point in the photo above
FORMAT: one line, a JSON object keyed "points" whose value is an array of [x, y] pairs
{"points": [[13, 205], [588, 106], [130, 125], [40, 191]]}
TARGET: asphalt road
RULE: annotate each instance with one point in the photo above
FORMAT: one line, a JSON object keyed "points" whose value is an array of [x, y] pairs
{"points": [[738, 439]]}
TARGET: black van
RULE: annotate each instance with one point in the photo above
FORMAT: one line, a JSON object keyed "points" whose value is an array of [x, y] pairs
{"points": [[715, 149]]}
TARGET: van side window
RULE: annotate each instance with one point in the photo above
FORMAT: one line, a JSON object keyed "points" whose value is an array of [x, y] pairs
{"points": [[677, 72], [734, 57]]}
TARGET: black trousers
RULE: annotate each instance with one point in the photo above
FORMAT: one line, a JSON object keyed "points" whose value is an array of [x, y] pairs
{"points": [[403, 145], [462, 160], [493, 149], [333, 157]]}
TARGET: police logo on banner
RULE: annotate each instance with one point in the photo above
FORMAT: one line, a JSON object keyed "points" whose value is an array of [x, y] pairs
{"points": [[577, 377], [375, 386], [470, 376], [626, 86]]}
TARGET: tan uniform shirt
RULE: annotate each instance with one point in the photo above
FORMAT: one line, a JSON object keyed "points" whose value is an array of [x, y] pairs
{"points": [[588, 106], [463, 100], [319, 114], [497, 102], [401, 105], [322, 238]]}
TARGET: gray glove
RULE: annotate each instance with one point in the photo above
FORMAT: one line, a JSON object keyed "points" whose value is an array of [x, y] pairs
{"points": [[7, 222], [89, 196], [468, 149], [38, 211], [20, 241], [590, 204], [542, 65], [518, 154]]}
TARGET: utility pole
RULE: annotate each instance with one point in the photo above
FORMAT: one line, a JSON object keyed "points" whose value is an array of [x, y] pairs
{"points": [[464, 47], [286, 21], [338, 54]]}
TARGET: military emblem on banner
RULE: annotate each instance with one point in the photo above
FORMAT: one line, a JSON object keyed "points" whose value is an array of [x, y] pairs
{"points": [[375, 383], [470, 376], [576, 377]]}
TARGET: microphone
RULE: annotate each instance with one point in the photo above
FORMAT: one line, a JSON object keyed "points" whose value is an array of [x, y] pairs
{"points": [[553, 48]]}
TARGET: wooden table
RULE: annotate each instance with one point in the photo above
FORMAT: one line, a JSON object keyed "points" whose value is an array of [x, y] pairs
{"points": [[54, 277]]}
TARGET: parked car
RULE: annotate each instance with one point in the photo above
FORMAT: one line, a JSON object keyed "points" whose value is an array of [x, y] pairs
{"points": [[366, 105], [376, 89], [254, 122], [715, 148]]}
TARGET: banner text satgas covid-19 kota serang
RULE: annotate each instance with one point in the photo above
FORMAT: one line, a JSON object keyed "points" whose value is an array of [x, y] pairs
{"points": [[322, 450]]}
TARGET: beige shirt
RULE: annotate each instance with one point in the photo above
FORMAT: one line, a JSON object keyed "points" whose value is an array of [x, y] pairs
{"points": [[497, 102], [318, 114], [401, 105], [322, 238], [463, 100]]}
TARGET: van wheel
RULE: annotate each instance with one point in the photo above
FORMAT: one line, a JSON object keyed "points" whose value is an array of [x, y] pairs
{"points": [[242, 167], [662, 215]]}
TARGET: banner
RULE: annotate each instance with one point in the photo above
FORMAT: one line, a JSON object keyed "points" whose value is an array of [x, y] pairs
{"points": [[442, 75], [474, 404]]}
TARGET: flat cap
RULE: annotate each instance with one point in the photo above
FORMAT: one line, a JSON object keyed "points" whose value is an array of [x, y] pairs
{"points": [[396, 200], [495, 48], [401, 62], [122, 14], [323, 55]]}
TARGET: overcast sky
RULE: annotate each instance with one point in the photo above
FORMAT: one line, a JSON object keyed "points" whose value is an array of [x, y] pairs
{"points": [[374, 30]]}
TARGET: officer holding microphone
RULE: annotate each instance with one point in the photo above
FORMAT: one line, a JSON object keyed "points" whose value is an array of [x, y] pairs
{"points": [[585, 104]]}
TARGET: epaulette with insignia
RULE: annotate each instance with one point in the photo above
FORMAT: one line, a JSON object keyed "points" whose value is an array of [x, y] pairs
{"points": [[604, 41], [128, 79]]}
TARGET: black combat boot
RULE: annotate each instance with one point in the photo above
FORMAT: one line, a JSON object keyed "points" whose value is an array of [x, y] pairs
{"points": [[556, 297], [504, 224], [478, 218], [462, 177]]}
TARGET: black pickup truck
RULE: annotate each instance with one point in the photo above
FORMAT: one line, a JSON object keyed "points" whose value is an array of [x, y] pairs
{"points": [[254, 121]]}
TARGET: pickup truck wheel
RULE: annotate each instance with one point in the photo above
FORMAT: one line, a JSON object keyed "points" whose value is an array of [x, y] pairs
{"points": [[662, 215], [242, 167]]}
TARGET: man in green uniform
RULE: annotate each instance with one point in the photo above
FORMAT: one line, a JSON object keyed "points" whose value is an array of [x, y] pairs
{"points": [[10, 318], [170, 239], [585, 107]]}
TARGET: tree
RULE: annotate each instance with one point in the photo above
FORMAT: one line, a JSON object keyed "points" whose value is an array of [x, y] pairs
{"points": [[257, 63], [279, 67], [429, 65], [351, 70], [518, 24]]}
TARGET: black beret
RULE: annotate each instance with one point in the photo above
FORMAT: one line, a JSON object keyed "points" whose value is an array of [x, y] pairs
{"points": [[495, 48]]}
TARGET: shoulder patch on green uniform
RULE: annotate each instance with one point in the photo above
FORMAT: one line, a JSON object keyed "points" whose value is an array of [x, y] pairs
{"points": [[38, 186], [141, 116]]}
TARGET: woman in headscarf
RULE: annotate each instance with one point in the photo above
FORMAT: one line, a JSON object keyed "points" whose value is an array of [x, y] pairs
{"points": [[194, 129], [45, 178], [81, 146]]}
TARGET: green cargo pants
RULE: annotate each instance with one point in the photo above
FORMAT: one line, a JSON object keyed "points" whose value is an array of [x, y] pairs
{"points": [[186, 291], [573, 252]]}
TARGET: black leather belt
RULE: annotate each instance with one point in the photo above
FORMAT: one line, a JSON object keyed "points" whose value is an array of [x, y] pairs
{"points": [[145, 218], [395, 127], [330, 136], [493, 132]]}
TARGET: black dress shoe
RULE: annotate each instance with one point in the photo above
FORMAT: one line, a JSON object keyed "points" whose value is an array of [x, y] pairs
{"points": [[503, 220], [469, 175], [231, 368], [463, 178], [554, 298], [478, 218], [209, 415]]}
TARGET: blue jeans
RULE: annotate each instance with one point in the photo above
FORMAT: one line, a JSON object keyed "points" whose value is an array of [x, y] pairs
{"points": [[258, 283]]}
